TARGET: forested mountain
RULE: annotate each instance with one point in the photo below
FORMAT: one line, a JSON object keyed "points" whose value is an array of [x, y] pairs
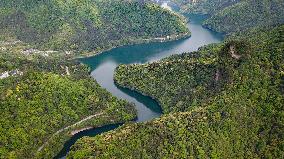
{"points": [[45, 98], [223, 101], [172, 81], [247, 14], [243, 118], [229, 16], [204, 6], [92, 25]]}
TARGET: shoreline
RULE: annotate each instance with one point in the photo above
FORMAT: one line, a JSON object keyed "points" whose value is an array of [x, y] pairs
{"points": [[142, 93], [74, 132], [136, 42], [131, 42], [70, 126]]}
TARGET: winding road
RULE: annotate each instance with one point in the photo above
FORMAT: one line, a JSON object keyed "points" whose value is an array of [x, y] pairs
{"points": [[73, 125]]}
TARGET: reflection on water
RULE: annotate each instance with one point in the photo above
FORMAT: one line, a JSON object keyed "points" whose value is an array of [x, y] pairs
{"points": [[103, 67]]}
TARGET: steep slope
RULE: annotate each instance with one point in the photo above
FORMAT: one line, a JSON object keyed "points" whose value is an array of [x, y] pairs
{"points": [[204, 6], [244, 119], [247, 14], [173, 81], [43, 98], [229, 16], [87, 24]]}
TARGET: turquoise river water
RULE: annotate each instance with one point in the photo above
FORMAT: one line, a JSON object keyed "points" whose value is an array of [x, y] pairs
{"points": [[103, 66]]}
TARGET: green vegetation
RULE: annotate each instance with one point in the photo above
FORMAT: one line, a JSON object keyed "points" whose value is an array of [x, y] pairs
{"points": [[45, 96], [243, 118], [204, 6], [43, 99], [247, 14], [228, 16], [222, 101], [179, 79], [86, 24], [173, 81]]}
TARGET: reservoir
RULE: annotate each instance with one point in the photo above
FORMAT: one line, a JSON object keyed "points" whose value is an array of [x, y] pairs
{"points": [[104, 64]]}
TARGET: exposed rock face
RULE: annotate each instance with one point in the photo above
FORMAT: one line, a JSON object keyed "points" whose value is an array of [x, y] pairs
{"points": [[233, 53], [217, 75], [67, 70], [79, 130]]}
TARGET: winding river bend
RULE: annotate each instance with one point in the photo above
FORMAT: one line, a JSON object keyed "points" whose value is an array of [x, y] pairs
{"points": [[103, 66]]}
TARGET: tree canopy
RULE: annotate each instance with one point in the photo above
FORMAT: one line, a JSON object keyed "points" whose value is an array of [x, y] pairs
{"points": [[237, 118], [87, 25]]}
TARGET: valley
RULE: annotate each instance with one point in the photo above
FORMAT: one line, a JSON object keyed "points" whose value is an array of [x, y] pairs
{"points": [[141, 79]]}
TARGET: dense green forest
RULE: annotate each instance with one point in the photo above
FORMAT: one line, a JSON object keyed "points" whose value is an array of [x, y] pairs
{"points": [[203, 6], [247, 14], [88, 25], [243, 118], [229, 16], [222, 101], [43, 97], [171, 80]]}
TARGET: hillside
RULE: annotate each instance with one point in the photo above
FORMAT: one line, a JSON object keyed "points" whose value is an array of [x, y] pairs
{"points": [[87, 25], [43, 96], [46, 96], [173, 81], [247, 14], [242, 119], [203, 6], [228, 16]]}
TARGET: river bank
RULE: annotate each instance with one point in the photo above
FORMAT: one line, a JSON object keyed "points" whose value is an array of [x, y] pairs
{"points": [[73, 125], [103, 66], [130, 42]]}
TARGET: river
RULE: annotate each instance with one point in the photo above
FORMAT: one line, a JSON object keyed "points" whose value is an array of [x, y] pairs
{"points": [[103, 66]]}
